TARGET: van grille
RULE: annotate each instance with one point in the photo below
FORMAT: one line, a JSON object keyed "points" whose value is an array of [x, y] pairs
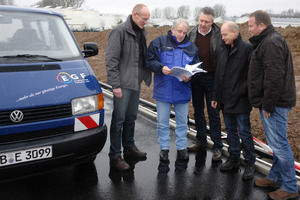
{"points": [[38, 114], [34, 135]]}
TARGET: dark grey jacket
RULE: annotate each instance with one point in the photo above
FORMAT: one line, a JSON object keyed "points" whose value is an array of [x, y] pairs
{"points": [[271, 78], [230, 87], [122, 58], [215, 42]]}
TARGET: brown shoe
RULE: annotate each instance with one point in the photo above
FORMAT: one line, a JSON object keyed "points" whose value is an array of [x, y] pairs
{"points": [[119, 164], [134, 152], [265, 182], [217, 155], [197, 147], [282, 195]]}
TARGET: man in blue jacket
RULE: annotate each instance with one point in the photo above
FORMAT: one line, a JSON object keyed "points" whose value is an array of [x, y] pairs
{"points": [[230, 94], [164, 53]]}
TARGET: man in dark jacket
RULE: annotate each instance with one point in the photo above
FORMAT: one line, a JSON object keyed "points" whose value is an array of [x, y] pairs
{"points": [[231, 95], [207, 37], [272, 89], [125, 64]]}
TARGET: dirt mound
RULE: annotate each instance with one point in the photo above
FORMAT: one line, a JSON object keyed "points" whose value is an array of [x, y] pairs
{"points": [[292, 36]]}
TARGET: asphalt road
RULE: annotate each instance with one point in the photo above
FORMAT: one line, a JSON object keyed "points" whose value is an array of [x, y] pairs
{"points": [[149, 179]]}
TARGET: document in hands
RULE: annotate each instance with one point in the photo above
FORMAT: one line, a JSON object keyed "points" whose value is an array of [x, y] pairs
{"points": [[188, 71]]}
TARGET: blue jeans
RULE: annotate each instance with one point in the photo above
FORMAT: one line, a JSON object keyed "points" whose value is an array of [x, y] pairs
{"points": [[242, 121], [163, 126], [202, 86], [123, 122], [283, 168]]}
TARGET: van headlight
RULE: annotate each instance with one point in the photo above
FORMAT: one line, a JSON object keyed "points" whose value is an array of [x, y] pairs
{"points": [[87, 104]]}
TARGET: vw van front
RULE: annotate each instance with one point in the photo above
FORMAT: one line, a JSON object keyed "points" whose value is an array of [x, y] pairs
{"points": [[51, 104]]}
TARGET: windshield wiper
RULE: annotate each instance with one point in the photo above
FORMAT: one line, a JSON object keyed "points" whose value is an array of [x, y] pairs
{"points": [[31, 56]]}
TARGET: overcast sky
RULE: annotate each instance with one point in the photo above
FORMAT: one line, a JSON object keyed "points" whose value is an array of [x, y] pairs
{"points": [[233, 7]]}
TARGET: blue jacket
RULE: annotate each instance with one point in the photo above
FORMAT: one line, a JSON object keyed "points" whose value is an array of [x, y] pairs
{"points": [[165, 51]]}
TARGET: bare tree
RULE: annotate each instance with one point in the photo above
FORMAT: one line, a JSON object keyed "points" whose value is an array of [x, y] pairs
{"points": [[118, 20], [102, 24], [220, 10], [197, 12], [183, 12], [290, 12], [156, 13], [270, 11], [85, 27], [284, 13], [169, 12], [7, 2], [63, 3]]}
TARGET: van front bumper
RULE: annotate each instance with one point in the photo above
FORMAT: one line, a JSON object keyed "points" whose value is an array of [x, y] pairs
{"points": [[67, 150]]}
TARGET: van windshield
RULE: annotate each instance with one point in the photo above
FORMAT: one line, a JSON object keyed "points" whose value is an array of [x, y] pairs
{"points": [[41, 35]]}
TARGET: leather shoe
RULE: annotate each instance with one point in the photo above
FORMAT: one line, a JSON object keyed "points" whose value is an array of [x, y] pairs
{"points": [[249, 172], [134, 152], [265, 182], [119, 164], [217, 155], [163, 155], [232, 164], [281, 194], [182, 154], [196, 147]]}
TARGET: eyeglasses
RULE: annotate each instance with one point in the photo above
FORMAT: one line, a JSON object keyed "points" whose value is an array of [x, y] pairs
{"points": [[144, 19]]}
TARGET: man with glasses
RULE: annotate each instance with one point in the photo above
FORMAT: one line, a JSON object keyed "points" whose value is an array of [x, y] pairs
{"points": [[125, 65], [207, 37]]}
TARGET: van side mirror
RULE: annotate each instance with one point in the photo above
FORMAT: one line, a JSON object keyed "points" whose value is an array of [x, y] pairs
{"points": [[90, 49]]}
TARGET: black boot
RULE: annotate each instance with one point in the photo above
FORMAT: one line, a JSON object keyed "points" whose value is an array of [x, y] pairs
{"points": [[183, 155], [249, 172], [232, 164], [164, 155]]}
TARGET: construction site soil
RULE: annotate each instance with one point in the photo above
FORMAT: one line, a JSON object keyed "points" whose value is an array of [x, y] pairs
{"points": [[292, 36]]}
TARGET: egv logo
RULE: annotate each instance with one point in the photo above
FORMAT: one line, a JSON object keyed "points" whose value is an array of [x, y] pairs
{"points": [[64, 77]]}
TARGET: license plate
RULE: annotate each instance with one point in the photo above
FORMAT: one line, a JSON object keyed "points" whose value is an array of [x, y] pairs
{"points": [[27, 155]]}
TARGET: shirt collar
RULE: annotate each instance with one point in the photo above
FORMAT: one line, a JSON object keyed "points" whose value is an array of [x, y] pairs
{"points": [[205, 33]]}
